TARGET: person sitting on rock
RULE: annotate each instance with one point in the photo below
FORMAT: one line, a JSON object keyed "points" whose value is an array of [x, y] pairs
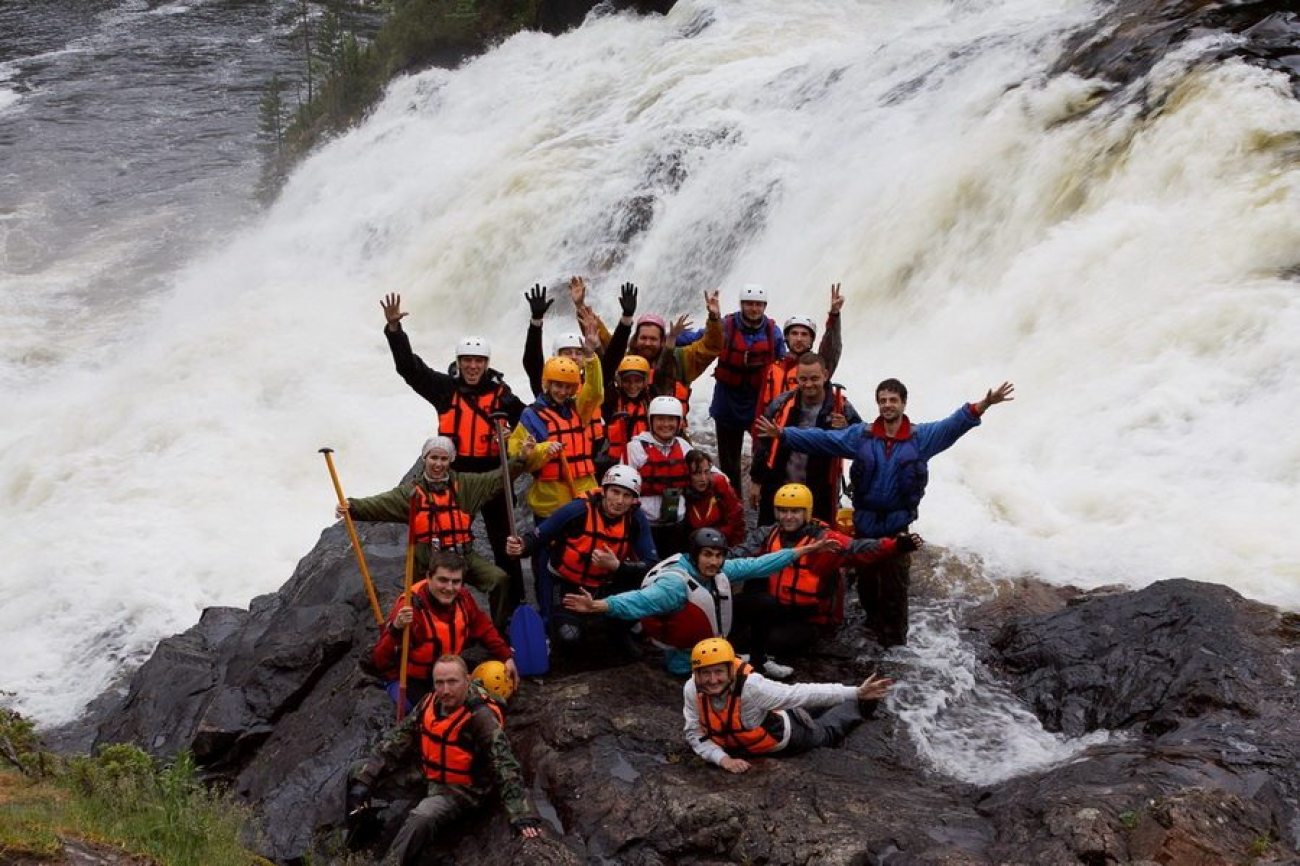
{"points": [[711, 503], [890, 471], [600, 542], [659, 456], [815, 402], [443, 618], [687, 597], [457, 735], [804, 600], [733, 713], [440, 505]]}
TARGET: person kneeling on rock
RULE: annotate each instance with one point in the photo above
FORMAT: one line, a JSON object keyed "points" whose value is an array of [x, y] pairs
{"points": [[458, 735], [733, 713], [443, 618]]}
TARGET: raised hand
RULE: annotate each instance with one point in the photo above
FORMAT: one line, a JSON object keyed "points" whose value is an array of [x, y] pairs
{"points": [[578, 292], [538, 303], [837, 299], [590, 330], [1001, 394], [712, 304], [627, 294], [680, 324], [392, 306]]}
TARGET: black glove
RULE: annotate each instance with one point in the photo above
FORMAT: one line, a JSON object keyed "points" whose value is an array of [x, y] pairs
{"points": [[627, 299], [537, 303], [358, 797], [905, 542]]}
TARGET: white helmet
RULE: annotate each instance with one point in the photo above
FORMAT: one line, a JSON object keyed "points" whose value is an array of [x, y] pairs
{"points": [[803, 321], [665, 406], [753, 292], [567, 340], [621, 475], [477, 347]]}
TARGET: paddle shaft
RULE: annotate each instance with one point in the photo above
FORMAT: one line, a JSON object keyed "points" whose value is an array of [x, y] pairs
{"points": [[352, 534], [507, 483]]}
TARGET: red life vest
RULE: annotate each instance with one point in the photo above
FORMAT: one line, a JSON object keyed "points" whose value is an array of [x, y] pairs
{"points": [[598, 430], [707, 612], [437, 519], [446, 750], [741, 363], [796, 584], [629, 421], [780, 376], [579, 447], [662, 471], [469, 424], [725, 727], [574, 563], [431, 636]]}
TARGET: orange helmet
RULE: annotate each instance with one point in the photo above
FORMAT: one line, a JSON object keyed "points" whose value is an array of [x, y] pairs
{"points": [[561, 370], [494, 679], [712, 651], [633, 364], [793, 496]]}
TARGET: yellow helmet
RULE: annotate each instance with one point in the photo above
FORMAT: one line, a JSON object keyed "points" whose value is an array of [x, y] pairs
{"points": [[844, 520], [793, 496], [634, 364], [561, 370], [712, 651], [493, 677]]}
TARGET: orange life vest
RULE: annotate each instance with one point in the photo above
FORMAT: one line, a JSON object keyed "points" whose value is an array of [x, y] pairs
{"points": [[725, 727], [432, 637], [741, 363], [574, 564], [468, 422], [662, 471], [438, 520], [629, 421], [781, 376], [446, 750], [796, 584], [598, 427], [576, 437]]}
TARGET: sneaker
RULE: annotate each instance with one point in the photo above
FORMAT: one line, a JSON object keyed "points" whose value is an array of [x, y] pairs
{"points": [[744, 657], [776, 670]]}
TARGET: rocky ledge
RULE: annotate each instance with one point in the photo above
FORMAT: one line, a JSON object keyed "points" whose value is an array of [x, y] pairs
{"points": [[1196, 684]]}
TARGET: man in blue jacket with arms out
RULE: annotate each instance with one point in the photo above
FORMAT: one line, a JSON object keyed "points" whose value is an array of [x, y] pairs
{"points": [[890, 470]]}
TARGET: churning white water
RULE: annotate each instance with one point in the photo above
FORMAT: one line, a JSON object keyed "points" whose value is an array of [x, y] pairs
{"points": [[987, 220]]}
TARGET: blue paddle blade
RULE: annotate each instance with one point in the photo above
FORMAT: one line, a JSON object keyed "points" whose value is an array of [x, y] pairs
{"points": [[528, 637]]}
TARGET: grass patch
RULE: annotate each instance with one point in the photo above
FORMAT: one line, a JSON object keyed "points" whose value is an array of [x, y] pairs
{"points": [[120, 797]]}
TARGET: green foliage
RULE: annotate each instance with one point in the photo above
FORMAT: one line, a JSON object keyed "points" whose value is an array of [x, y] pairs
{"points": [[1260, 846], [1128, 819], [20, 747]]}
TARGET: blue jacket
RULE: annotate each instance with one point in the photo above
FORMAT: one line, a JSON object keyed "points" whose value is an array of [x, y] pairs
{"points": [[738, 407], [888, 477], [569, 519], [668, 593]]}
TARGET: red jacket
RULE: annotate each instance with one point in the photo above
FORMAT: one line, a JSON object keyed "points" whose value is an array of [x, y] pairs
{"points": [[717, 508], [387, 652]]}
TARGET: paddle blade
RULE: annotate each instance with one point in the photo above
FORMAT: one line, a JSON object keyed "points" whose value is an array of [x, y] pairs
{"points": [[528, 637]]}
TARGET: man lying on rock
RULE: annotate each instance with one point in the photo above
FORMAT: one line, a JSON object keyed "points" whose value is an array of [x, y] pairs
{"points": [[458, 736], [733, 713]]}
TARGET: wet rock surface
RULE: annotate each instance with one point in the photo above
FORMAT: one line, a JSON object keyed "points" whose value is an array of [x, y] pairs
{"points": [[1198, 684]]}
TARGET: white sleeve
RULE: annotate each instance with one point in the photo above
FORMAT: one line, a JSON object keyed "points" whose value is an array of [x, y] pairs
{"points": [[634, 455], [700, 744], [762, 694]]}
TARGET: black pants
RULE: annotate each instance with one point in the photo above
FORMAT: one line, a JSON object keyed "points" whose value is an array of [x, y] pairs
{"points": [[496, 520], [571, 631], [763, 625], [882, 591], [824, 726], [669, 538], [731, 440]]}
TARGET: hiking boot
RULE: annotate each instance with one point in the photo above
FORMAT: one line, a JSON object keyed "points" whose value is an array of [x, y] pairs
{"points": [[777, 671]]}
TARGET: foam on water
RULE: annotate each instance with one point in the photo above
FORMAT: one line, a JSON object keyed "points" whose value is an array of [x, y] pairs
{"points": [[1121, 265]]}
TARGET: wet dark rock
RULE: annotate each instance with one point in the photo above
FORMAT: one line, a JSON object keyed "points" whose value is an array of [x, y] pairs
{"points": [[1197, 683]]}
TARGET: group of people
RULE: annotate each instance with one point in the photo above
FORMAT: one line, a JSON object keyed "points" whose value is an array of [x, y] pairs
{"points": [[641, 536]]}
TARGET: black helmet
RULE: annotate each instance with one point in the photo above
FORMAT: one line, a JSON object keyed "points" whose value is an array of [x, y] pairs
{"points": [[705, 538]]}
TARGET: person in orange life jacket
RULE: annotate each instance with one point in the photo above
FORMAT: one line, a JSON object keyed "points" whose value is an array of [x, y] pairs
{"points": [[815, 403], [659, 457], [465, 401], [750, 342], [601, 542], [457, 735], [801, 603], [733, 713], [889, 475], [800, 331], [442, 618], [710, 501], [625, 407], [441, 505], [688, 596], [560, 420], [673, 368]]}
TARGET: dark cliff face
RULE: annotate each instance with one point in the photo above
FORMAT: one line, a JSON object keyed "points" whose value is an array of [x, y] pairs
{"points": [[1199, 683], [557, 16]]}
